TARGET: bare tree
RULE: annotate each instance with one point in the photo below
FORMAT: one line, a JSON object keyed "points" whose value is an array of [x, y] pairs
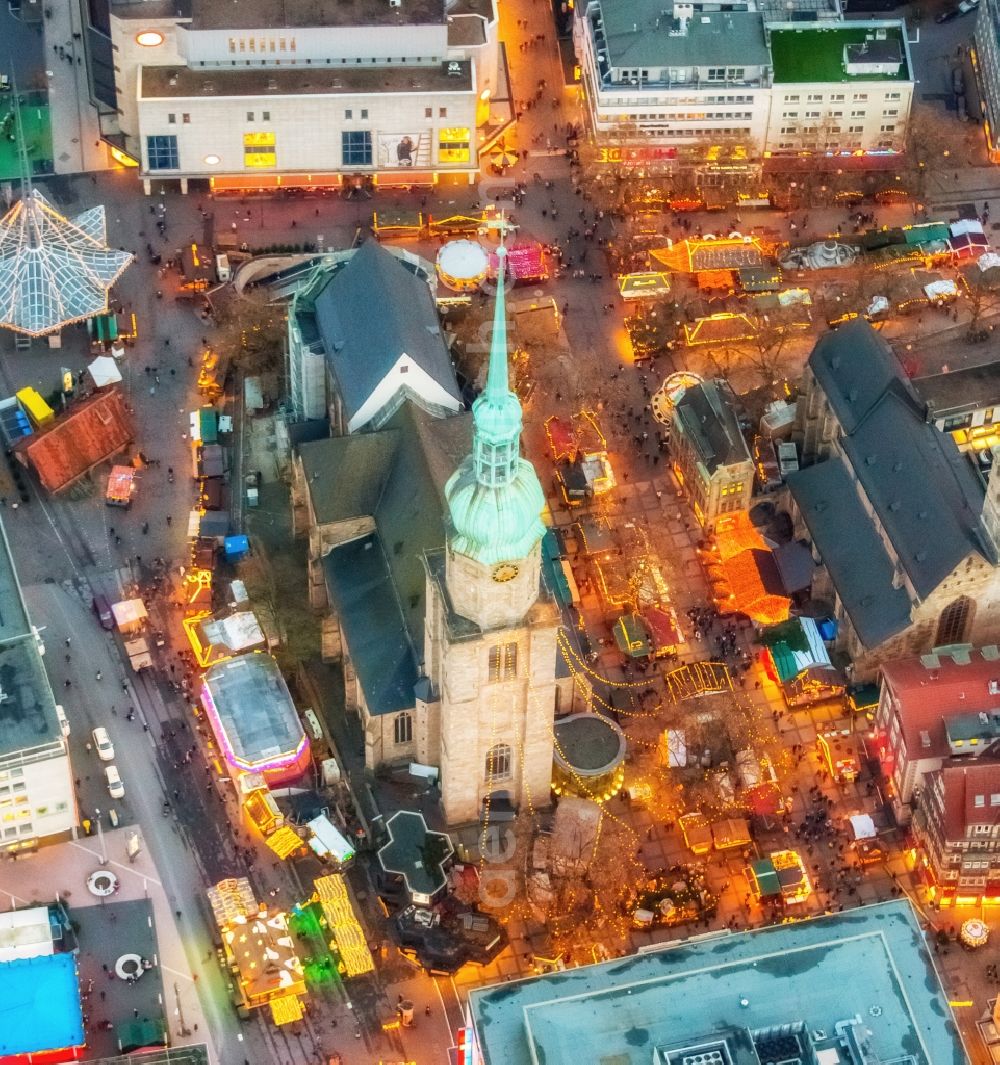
{"points": [[252, 333]]}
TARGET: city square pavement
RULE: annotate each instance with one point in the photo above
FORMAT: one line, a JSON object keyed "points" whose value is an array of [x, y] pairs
{"points": [[137, 918]]}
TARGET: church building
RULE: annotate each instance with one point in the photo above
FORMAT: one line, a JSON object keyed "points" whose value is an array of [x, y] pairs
{"points": [[425, 543]]}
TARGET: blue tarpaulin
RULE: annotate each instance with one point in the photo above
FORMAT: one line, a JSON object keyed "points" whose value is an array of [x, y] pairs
{"points": [[236, 547]]}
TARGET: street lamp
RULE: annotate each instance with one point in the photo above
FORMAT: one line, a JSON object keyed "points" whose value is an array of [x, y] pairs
{"points": [[100, 837]]}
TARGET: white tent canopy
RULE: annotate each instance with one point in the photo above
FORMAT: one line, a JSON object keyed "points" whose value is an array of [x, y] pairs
{"points": [[864, 826], [104, 370]]}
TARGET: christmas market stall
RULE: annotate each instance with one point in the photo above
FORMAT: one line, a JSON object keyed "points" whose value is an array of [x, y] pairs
{"points": [[527, 263], [672, 896], [742, 571], [723, 328], [579, 448], [781, 875], [795, 658]]}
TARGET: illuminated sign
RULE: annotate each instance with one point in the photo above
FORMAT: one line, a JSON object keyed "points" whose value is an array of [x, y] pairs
{"points": [[644, 154], [453, 145], [259, 151]]}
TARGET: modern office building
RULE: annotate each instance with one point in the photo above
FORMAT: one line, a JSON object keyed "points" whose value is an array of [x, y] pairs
{"points": [[717, 90], [255, 96], [852, 988], [986, 60], [37, 800]]}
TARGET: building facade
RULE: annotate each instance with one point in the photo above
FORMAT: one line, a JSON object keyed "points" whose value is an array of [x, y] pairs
{"points": [[708, 453], [385, 91], [692, 85], [986, 58], [957, 827], [929, 711], [37, 796]]}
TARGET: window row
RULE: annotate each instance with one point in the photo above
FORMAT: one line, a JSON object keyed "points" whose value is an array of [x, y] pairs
{"points": [[358, 148]]}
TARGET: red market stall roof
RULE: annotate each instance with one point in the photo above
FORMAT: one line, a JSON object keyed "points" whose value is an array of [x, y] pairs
{"points": [[747, 580], [662, 626], [754, 584], [764, 799], [526, 261], [579, 435]]}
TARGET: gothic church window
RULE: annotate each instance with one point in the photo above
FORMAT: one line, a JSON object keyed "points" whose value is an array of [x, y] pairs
{"points": [[503, 662], [953, 624], [402, 728], [498, 763]]}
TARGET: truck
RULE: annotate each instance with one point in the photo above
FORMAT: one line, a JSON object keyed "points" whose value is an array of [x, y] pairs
{"points": [[121, 486]]}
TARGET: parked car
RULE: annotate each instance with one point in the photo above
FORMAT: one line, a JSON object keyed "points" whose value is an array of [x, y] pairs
{"points": [[103, 745], [102, 608], [966, 7], [116, 789]]}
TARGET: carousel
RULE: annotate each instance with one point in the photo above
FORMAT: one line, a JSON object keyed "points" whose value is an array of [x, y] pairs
{"points": [[463, 265], [669, 394], [974, 933]]}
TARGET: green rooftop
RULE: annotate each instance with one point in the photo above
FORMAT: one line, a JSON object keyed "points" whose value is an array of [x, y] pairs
{"points": [[37, 127], [816, 54]]}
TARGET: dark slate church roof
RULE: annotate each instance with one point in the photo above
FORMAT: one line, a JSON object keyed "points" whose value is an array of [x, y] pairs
{"points": [[378, 582], [372, 311], [851, 549], [923, 493]]}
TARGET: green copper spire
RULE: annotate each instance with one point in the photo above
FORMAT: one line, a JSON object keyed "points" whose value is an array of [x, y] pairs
{"points": [[494, 497], [497, 413]]}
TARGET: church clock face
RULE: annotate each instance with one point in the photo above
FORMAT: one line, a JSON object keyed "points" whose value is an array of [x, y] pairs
{"points": [[506, 571]]}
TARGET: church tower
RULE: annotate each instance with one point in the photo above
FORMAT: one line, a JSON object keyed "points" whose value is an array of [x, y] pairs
{"points": [[492, 640]]}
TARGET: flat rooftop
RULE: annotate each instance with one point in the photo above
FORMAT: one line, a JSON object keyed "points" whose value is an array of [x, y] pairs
{"points": [[307, 14], [27, 706], [815, 53], [730, 994], [957, 391], [255, 707], [638, 35], [40, 1005], [14, 621], [172, 83]]}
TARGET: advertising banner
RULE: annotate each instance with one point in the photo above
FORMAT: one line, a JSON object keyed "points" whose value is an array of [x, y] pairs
{"points": [[398, 150]]}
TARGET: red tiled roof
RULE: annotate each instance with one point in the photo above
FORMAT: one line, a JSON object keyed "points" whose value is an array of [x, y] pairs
{"points": [[92, 431], [927, 696], [963, 782]]}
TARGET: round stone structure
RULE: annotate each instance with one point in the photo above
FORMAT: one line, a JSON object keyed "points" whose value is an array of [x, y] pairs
{"points": [[589, 756]]}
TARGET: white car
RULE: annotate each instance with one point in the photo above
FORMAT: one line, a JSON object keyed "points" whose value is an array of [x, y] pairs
{"points": [[103, 745], [116, 789]]}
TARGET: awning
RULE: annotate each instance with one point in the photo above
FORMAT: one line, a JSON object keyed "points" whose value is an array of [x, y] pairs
{"points": [[103, 328]]}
